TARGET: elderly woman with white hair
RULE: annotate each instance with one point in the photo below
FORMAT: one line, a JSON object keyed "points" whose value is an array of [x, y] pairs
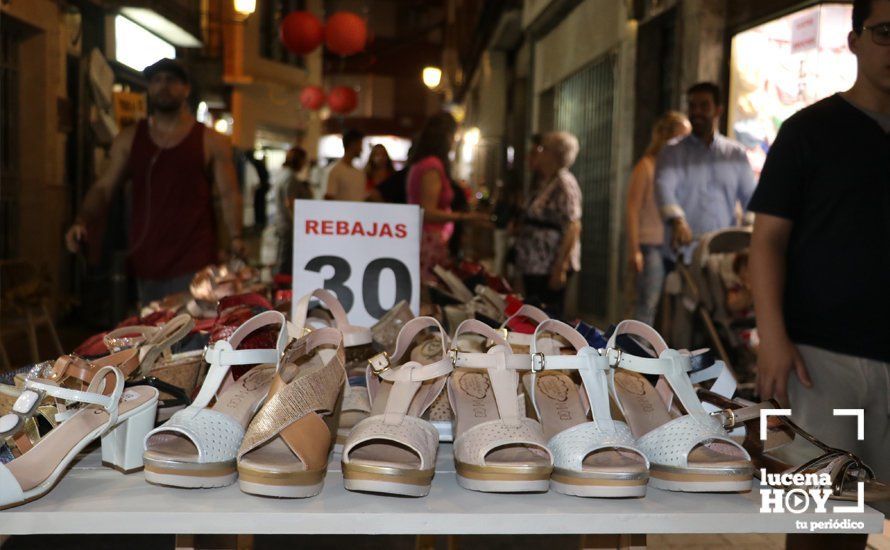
{"points": [[548, 248]]}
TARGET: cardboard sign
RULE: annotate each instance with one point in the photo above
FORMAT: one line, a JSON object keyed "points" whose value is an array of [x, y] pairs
{"points": [[368, 254], [805, 32]]}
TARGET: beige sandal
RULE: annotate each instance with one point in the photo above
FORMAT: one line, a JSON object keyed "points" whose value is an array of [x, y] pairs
{"points": [[496, 447], [286, 447], [394, 451], [119, 417]]}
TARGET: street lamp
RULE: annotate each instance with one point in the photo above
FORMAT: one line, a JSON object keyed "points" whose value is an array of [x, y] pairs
{"points": [[432, 77], [244, 8]]}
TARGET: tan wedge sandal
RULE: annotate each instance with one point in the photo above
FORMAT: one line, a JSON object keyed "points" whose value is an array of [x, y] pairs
{"points": [[394, 451], [358, 347], [497, 448], [285, 451]]}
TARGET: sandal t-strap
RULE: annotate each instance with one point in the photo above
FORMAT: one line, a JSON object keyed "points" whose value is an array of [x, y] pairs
{"points": [[596, 458], [497, 448], [197, 447], [394, 450], [687, 452]]}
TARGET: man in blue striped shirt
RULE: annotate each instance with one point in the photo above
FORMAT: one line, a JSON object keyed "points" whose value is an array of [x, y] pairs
{"points": [[700, 179]]}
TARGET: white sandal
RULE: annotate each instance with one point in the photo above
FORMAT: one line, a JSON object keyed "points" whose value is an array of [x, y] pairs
{"points": [[688, 451], [394, 451], [591, 458], [497, 448], [120, 418], [521, 342], [197, 447], [358, 343]]}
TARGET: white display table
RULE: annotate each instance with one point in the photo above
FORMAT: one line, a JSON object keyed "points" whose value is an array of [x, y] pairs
{"points": [[93, 499]]}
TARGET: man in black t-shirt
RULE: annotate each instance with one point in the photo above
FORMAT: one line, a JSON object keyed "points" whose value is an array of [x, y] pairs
{"points": [[820, 255]]}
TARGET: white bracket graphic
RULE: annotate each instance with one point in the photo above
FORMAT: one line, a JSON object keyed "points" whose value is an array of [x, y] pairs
{"points": [[764, 413], [860, 420]]}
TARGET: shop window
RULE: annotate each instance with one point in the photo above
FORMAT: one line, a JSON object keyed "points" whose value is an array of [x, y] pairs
{"points": [[10, 79], [583, 105], [784, 65], [271, 14], [137, 47]]}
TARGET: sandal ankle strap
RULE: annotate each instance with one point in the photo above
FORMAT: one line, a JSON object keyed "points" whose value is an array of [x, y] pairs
{"points": [[222, 354], [590, 364], [352, 335]]}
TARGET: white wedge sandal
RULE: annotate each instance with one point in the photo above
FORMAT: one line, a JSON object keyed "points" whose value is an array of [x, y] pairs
{"points": [[394, 451], [120, 417], [688, 448], [497, 448], [593, 457], [198, 446]]}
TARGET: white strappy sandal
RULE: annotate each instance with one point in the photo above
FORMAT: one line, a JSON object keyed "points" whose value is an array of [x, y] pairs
{"points": [[497, 448], [591, 458], [688, 449], [121, 418], [358, 343], [197, 447], [394, 450], [521, 342]]}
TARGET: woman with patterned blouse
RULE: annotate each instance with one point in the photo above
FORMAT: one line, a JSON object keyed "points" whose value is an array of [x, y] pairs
{"points": [[548, 248]]}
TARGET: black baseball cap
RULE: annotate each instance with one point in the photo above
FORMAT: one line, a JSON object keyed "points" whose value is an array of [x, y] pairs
{"points": [[167, 65]]}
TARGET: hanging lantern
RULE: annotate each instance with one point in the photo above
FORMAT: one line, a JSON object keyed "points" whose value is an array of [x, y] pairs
{"points": [[301, 32], [342, 100], [312, 98], [345, 33]]}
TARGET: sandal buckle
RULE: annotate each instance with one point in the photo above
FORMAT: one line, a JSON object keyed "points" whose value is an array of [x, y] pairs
{"points": [[538, 362], [380, 363], [614, 359], [452, 354], [729, 418]]}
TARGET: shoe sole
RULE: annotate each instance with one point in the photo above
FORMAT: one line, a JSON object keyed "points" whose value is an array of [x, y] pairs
{"points": [[288, 485], [503, 479], [189, 475], [732, 480], [597, 487], [387, 480]]}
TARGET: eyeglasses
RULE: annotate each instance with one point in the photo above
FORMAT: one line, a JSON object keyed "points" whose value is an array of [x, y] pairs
{"points": [[880, 33]]}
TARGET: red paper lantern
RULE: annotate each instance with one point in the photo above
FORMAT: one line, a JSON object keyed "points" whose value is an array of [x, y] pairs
{"points": [[342, 100], [301, 32], [345, 33], [312, 98]]}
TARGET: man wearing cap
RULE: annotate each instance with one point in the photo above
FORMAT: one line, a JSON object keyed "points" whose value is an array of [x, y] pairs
{"points": [[172, 162]]}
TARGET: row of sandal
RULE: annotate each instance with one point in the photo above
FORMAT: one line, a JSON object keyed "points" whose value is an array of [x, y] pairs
{"points": [[532, 406]]}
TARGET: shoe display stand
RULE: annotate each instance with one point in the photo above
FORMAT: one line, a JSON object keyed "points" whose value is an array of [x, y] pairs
{"points": [[92, 499]]}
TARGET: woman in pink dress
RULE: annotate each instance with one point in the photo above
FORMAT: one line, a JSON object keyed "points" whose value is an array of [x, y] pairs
{"points": [[429, 185]]}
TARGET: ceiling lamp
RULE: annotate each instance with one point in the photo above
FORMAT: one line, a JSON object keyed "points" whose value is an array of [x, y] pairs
{"points": [[432, 77], [244, 8]]}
